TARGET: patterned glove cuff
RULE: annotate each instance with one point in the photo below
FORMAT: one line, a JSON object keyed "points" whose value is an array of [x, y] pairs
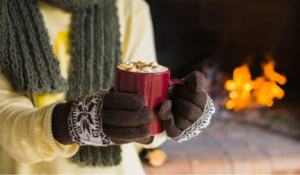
{"points": [[199, 125], [85, 124]]}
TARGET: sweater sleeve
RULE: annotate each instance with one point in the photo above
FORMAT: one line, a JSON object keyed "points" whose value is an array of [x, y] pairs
{"points": [[138, 40], [25, 131]]}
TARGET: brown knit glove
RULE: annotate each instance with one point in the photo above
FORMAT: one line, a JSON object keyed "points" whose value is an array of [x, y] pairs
{"points": [[60, 123], [103, 118], [189, 109], [125, 117]]}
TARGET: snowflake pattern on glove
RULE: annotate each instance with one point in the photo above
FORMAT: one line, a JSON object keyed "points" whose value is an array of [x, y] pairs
{"points": [[85, 125]]}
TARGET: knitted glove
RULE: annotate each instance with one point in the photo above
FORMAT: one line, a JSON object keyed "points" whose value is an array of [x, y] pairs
{"points": [[189, 109], [103, 118], [125, 117]]}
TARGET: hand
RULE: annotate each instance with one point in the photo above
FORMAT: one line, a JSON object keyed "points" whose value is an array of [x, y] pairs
{"points": [[125, 117], [185, 106], [110, 118]]}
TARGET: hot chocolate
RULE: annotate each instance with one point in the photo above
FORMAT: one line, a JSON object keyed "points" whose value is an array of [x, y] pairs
{"points": [[142, 67]]}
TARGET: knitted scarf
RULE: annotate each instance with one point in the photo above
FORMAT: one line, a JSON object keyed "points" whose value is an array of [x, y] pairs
{"points": [[28, 61]]}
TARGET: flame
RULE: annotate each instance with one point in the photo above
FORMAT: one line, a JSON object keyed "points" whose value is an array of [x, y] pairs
{"points": [[271, 74], [245, 92]]}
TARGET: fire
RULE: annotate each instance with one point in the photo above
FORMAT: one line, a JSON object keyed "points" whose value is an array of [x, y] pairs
{"points": [[245, 92]]}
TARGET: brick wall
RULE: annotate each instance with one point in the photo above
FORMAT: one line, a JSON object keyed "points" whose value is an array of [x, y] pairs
{"points": [[190, 33]]}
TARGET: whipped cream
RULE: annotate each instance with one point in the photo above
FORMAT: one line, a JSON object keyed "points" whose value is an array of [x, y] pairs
{"points": [[142, 67]]}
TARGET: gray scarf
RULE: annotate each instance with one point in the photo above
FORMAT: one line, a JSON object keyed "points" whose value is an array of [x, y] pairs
{"points": [[28, 62]]}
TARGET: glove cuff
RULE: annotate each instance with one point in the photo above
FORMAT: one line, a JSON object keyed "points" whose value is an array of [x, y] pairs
{"points": [[199, 125], [85, 123], [59, 123]]}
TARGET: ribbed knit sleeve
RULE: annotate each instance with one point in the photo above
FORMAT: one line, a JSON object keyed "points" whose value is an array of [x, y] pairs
{"points": [[25, 131]]}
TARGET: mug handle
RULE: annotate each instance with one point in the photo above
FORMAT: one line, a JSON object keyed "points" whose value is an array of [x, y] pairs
{"points": [[174, 81]]}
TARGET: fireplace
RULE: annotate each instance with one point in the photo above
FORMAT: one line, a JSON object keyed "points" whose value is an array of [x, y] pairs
{"points": [[219, 36]]}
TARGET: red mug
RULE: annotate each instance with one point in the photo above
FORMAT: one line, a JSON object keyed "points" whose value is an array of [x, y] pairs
{"points": [[153, 86]]}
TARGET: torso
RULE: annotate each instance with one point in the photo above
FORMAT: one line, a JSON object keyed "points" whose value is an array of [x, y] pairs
{"points": [[58, 23]]}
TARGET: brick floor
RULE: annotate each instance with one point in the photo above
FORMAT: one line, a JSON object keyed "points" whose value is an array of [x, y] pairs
{"points": [[176, 164], [229, 147], [258, 165], [287, 164], [210, 166]]}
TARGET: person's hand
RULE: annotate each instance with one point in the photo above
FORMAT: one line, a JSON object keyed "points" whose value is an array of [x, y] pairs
{"points": [[185, 107], [125, 117], [110, 118]]}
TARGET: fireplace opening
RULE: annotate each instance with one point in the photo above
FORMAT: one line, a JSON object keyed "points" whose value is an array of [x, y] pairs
{"points": [[222, 37]]}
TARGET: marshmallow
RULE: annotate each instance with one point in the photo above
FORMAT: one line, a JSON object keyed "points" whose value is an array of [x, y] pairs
{"points": [[153, 64], [142, 67], [132, 69], [147, 69]]}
